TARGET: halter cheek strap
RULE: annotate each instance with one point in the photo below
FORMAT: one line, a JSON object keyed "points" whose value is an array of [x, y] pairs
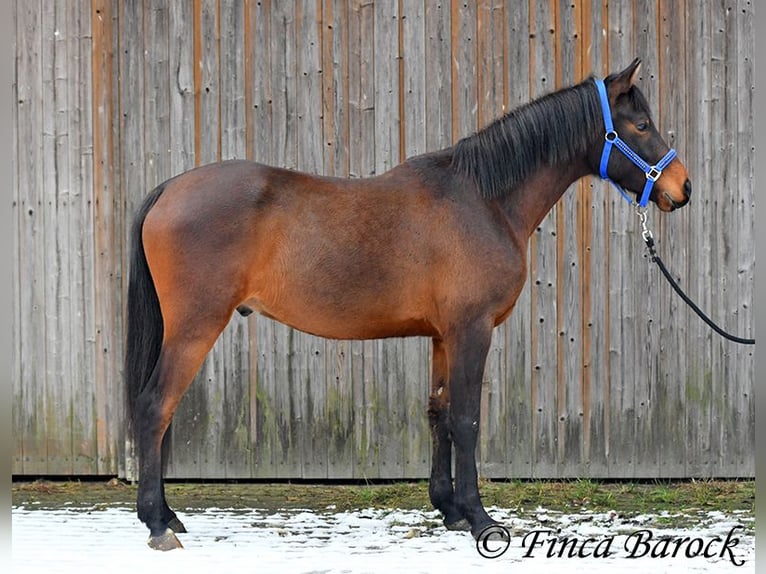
{"points": [[611, 139]]}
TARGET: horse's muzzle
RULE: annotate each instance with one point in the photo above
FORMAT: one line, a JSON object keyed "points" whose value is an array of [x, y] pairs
{"points": [[675, 204]]}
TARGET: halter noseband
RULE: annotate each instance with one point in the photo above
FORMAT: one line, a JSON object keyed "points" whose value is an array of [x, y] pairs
{"points": [[652, 172]]}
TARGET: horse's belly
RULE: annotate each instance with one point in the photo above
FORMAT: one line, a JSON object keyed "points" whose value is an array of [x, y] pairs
{"points": [[351, 322]]}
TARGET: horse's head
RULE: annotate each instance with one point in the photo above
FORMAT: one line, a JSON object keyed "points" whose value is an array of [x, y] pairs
{"points": [[634, 129]]}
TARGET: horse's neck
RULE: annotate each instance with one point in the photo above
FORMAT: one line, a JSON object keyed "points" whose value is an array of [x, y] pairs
{"points": [[527, 205]]}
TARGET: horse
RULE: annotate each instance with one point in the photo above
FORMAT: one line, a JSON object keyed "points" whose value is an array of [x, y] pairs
{"points": [[435, 247]]}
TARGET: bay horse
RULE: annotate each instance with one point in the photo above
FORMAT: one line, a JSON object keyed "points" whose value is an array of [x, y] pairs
{"points": [[435, 247]]}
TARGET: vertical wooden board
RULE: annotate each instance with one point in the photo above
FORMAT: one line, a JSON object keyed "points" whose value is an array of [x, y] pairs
{"points": [[743, 257], [291, 376], [364, 462], [57, 200], [543, 267], [85, 444], [131, 111], [391, 440], [273, 432], [361, 88], [698, 158], [727, 256], [718, 185], [438, 98], [414, 73], [317, 428], [518, 353], [669, 115], [232, 79], [622, 314], [744, 213], [375, 401], [235, 409], [417, 377], [340, 414], [31, 399], [308, 89], [107, 229], [596, 384], [208, 82], [648, 387], [335, 57], [493, 432], [181, 87], [464, 70], [283, 93], [157, 89], [17, 418], [387, 86], [569, 258]]}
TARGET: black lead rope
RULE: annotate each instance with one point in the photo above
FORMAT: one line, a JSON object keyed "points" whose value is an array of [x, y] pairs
{"points": [[649, 240]]}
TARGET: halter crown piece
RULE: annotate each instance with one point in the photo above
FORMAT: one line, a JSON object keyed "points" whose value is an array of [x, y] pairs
{"points": [[653, 172]]}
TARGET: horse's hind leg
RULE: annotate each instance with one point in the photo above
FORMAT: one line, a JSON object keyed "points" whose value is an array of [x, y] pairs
{"points": [[440, 488], [183, 350]]}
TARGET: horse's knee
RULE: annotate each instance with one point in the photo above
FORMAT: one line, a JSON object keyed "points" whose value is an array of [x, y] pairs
{"points": [[465, 432]]}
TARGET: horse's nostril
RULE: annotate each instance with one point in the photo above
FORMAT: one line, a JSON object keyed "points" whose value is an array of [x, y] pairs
{"points": [[688, 188]]}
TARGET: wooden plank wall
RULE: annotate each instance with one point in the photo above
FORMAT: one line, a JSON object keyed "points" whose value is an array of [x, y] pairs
{"points": [[600, 372]]}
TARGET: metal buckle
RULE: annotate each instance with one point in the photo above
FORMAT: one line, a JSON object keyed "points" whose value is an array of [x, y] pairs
{"points": [[653, 174], [610, 136]]}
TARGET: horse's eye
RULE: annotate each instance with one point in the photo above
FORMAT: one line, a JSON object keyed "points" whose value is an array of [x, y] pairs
{"points": [[642, 126]]}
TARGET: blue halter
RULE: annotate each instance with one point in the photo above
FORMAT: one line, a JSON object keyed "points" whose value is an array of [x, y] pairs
{"points": [[653, 172]]}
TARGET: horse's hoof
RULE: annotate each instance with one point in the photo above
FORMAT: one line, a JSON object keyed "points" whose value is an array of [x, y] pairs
{"points": [[461, 524], [165, 541], [177, 526]]}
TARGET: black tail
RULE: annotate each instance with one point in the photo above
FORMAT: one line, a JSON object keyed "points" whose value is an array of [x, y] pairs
{"points": [[145, 329]]}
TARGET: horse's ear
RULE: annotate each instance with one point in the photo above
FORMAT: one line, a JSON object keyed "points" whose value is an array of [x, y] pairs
{"points": [[621, 82]]}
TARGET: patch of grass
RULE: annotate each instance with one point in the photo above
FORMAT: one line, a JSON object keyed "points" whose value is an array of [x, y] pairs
{"points": [[625, 498]]}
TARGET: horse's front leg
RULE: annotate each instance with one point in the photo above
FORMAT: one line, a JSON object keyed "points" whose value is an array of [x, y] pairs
{"points": [[467, 354], [440, 484]]}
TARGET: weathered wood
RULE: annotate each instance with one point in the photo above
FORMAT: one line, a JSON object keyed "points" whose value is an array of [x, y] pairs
{"points": [[543, 268], [518, 328], [569, 254], [622, 320], [600, 371], [30, 400]]}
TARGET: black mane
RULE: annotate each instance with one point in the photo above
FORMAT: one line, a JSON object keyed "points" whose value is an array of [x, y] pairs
{"points": [[553, 129]]}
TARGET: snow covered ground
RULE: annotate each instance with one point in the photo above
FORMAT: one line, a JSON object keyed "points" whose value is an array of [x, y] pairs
{"points": [[221, 541]]}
